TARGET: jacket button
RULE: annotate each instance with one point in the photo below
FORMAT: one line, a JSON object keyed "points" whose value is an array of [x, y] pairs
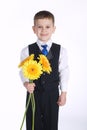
{"points": [[41, 116], [43, 82]]}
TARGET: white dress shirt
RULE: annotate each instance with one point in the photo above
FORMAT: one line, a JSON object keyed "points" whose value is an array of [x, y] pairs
{"points": [[63, 64]]}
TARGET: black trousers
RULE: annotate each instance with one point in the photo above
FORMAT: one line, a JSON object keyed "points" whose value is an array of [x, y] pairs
{"points": [[46, 112]]}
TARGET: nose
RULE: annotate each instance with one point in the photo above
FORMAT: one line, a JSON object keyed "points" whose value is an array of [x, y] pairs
{"points": [[43, 29]]}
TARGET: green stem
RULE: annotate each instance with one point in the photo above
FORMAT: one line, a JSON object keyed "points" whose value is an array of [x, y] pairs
{"points": [[31, 97], [33, 110], [25, 111]]}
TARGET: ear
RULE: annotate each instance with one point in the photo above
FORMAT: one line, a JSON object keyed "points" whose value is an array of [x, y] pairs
{"points": [[33, 27], [54, 29]]}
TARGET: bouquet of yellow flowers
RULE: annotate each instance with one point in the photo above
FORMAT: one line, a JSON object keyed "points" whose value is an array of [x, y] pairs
{"points": [[32, 69]]}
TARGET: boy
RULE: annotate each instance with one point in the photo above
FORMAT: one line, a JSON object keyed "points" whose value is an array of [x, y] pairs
{"points": [[46, 89]]}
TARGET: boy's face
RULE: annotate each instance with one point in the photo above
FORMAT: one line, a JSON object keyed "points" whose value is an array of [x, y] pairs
{"points": [[44, 28]]}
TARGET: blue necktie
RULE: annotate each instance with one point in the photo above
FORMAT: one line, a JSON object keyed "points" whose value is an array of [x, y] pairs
{"points": [[44, 50]]}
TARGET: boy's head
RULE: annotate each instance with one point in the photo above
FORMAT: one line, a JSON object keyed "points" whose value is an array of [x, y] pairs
{"points": [[44, 25], [44, 15]]}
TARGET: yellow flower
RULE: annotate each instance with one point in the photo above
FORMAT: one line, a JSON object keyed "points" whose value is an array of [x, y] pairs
{"points": [[45, 63], [32, 70], [31, 57]]}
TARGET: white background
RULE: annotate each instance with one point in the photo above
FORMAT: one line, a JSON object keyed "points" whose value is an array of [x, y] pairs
{"points": [[16, 20]]}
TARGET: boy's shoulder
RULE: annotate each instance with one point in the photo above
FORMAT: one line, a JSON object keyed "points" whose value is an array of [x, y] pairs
{"points": [[26, 47], [62, 48], [32, 44], [56, 44]]}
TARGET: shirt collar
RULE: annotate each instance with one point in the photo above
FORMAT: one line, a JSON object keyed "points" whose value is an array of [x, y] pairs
{"points": [[49, 44]]}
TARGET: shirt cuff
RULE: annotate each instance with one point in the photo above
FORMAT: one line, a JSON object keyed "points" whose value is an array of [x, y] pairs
{"points": [[63, 87], [23, 79]]}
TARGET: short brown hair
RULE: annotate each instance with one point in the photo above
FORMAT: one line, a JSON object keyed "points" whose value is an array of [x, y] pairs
{"points": [[44, 14]]}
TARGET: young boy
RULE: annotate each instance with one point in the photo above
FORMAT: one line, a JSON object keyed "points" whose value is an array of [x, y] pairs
{"points": [[46, 88]]}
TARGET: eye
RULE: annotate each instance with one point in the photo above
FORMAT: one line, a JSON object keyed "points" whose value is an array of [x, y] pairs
{"points": [[47, 26], [39, 26]]}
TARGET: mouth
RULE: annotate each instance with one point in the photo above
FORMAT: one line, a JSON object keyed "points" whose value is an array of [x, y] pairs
{"points": [[44, 34]]}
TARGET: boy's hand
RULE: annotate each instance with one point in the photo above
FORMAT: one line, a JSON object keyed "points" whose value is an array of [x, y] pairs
{"points": [[62, 99], [29, 86]]}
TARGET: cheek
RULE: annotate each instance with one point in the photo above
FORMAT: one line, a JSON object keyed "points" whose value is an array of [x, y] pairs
{"points": [[36, 31], [52, 31]]}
